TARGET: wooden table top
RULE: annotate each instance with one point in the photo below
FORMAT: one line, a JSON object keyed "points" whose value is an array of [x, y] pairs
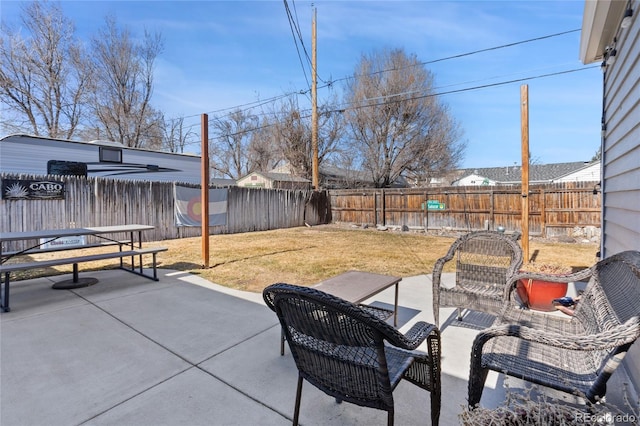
{"points": [[356, 286], [67, 232]]}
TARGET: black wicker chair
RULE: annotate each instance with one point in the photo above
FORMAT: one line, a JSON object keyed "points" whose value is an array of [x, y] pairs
{"points": [[574, 354], [340, 348], [483, 261]]}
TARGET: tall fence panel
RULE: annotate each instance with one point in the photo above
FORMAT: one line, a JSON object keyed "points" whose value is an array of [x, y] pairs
{"points": [[554, 209], [102, 202]]}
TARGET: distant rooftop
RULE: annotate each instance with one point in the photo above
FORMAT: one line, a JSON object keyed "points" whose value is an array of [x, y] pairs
{"points": [[537, 172]]}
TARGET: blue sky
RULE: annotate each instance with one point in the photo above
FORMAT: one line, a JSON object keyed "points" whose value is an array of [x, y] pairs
{"points": [[223, 54]]}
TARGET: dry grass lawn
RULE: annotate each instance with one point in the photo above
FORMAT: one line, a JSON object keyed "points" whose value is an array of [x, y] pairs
{"points": [[251, 261]]}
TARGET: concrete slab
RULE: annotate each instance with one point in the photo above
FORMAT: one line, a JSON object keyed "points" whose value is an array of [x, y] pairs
{"points": [[66, 366], [190, 320], [131, 351], [34, 297], [116, 283], [191, 398]]}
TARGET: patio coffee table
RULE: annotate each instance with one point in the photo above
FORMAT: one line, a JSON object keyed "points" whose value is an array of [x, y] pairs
{"points": [[356, 287]]}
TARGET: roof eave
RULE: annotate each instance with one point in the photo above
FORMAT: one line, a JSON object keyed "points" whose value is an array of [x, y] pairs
{"points": [[600, 22]]}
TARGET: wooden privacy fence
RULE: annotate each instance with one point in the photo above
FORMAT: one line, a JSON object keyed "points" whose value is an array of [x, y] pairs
{"points": [[554, 209], [101, 202]]}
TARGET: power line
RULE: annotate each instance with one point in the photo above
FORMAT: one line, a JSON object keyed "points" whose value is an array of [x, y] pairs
{"points": [[344, 107], [295, 31], [461, 55], [330, 83]]}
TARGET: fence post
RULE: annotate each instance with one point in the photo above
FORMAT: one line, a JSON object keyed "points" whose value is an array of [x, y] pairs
{"points": [[543, 214], [426, 212], [384, 207], [492, 219], [375, 209]]}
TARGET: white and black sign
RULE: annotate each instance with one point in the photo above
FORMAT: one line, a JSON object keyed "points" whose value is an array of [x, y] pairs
{"points": [[21, 189]]}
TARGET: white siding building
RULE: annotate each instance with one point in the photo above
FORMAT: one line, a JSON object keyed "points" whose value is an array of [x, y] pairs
{"points": [[603, 31]]}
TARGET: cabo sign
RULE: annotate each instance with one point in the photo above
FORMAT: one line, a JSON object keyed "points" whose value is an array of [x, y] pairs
{"points": [[21, 189]]}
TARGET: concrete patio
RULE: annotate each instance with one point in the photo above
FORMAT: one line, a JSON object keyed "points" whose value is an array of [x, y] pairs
{"points": [[130, 351]]}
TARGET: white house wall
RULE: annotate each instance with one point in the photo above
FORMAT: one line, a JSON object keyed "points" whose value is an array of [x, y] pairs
{"points": [[621, 155], [255, 180], [591, 173], [472, 180], [621, 151]]}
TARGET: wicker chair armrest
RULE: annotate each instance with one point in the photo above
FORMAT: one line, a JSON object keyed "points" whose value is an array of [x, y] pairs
{"points": [[418, 333], [576, 276], [617, 336], [437, 272], [583, 275]]}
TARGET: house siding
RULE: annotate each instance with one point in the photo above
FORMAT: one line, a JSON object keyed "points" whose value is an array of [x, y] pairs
{"points": [[255, 180], [621, 156], [591, 173], [621, 147]]}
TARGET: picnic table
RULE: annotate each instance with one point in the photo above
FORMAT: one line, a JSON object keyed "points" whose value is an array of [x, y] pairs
{"points": [[43, 241]]}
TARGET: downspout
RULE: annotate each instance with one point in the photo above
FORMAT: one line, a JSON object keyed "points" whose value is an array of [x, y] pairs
{"points": [[602, 162]]}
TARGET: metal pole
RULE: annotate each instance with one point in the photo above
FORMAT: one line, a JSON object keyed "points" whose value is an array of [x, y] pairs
{"points": [[204, 185], [314, 104], [524, 123]]}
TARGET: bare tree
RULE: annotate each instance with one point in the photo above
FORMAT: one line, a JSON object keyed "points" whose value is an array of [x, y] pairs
{"points": [[124, 69], [45, 78], [398, 126], [263, 152], [176, 135], [292, 134], [231, 146]]}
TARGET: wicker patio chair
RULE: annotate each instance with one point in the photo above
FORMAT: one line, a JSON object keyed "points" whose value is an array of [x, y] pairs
{"points": [[575, 354], [483, 260], [350, 354]]}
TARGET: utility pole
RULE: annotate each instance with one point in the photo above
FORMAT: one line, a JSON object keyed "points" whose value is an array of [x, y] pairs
{"points": [[524, 124], [314, 104], [204, 186]]}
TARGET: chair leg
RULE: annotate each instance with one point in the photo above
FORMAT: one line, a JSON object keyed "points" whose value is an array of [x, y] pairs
{"points": [[436, 403], [390, 418], [296, 412], [476, 386]]}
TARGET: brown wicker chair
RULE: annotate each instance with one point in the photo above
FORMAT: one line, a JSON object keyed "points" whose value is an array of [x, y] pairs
{"points": [[575, 354], [340, 348], [483, 261]]}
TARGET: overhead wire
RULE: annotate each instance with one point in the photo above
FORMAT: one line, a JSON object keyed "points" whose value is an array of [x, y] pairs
{"points": [[343, 107], [296, 33], [460, 55], [332, 82]]}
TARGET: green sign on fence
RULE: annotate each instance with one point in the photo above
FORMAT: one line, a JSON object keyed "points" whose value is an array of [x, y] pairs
{"points": [[434, 205]]}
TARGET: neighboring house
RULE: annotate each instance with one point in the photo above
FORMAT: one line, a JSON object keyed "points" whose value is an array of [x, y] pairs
{"points": [[611, 36], [273, 180], [332, 177], [222, 182], [35, 155], [579, 171]]}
